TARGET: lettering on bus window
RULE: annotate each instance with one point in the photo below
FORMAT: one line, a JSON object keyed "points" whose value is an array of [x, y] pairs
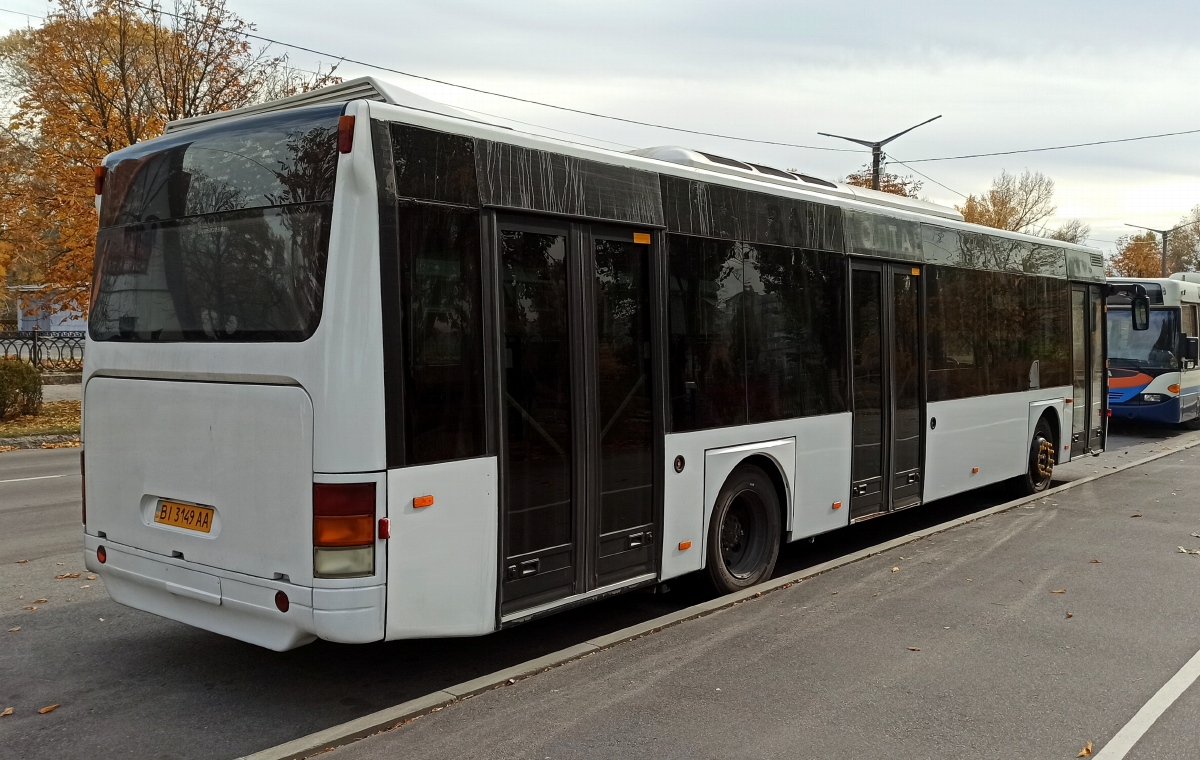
{"points": [[708, 210], [879, 234], [441, 327]]}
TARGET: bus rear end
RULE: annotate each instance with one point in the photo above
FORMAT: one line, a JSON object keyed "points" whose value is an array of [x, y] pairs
{"points": [[233, 299]]}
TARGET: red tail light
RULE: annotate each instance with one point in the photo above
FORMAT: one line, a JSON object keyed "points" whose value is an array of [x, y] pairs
{"points": [[345, 134], [343, 529], [101, 554], [343, 514]]}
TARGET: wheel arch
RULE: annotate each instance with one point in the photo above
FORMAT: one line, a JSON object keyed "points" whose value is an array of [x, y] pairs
{"points": [[783, 489]]}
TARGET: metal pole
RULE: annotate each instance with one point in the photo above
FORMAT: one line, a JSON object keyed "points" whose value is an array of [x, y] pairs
{"points": [[876, 154], [1164, 256]]}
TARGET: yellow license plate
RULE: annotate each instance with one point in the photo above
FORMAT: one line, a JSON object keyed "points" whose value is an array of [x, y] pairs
{"points": [[187, 516]]}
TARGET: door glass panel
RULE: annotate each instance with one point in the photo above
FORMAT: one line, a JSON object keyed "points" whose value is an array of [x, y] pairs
{"points": [[1078, 364], [537, 397], [1096, 328], [866, 316], [623, 385], [907, 425]]}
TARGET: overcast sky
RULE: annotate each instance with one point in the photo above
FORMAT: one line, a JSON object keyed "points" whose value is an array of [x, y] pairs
{"points": [[1004, 75]]}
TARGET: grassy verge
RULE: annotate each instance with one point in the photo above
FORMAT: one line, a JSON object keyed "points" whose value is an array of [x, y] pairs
{"points": [[57, 418]]}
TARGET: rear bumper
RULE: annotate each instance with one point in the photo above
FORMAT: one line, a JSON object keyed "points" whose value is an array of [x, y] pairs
{"points": [[1165, 412], [235, 605]]}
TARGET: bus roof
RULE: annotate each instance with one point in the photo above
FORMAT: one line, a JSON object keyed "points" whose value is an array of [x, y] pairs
{"points": [[397, 104], [1177, 289]]}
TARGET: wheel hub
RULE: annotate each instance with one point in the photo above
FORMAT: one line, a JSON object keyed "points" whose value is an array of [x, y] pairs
{"points": [[1045, 459]]}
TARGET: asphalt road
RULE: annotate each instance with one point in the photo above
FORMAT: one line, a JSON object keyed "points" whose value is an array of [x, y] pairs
{"points": [[1026, 634], [139, 686]]}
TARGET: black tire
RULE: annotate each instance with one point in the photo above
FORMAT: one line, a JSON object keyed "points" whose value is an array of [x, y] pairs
{"points": [[1192, 424], [743, 534], [1040, 469]]}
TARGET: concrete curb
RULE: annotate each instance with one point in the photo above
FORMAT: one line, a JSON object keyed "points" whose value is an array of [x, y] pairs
{"points": [[393, 717], [36, 441]]}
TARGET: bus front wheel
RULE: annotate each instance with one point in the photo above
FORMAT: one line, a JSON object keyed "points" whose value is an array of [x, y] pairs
{"points": [[1041, 461], [743, 534]]}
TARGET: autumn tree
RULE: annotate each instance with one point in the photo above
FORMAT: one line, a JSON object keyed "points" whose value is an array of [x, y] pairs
{"points": [[1021, 204], [908, 186], [1137, 256], [98, 76], [1183, 245]]}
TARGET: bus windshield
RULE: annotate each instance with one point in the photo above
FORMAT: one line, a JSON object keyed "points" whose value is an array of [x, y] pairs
{"points": [[1152, 349], [219, 233]]}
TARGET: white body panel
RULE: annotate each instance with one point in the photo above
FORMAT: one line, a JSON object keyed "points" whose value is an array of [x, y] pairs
{"points": [[990, 433], [442, 559], [203, 443], [817, 448]]}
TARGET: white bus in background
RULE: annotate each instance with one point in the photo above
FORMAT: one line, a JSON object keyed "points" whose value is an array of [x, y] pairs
{"points": [[361, 368], [1153, 375]]}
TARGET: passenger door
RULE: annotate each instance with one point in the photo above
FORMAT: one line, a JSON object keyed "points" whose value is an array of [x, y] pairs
{"points": [[1088, 368], [579, 426], [888, 394]]}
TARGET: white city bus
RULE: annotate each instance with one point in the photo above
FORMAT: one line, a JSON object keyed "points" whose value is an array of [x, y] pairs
{"points": [[1153, 375], [360, 367]]}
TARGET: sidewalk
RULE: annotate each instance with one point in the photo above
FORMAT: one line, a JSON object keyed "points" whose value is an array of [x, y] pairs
{"points": [[1024, 634]]}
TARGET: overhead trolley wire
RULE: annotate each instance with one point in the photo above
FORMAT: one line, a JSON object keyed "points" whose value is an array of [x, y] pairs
{"points": [[1055, 147], [488, 92]]}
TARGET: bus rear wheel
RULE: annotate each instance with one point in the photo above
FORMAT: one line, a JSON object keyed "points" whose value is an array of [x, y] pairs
{"points": [[743, 534], [1041, 461]]}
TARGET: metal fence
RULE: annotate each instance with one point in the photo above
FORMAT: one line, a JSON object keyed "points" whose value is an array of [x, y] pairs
{"points": [[49, 351]]}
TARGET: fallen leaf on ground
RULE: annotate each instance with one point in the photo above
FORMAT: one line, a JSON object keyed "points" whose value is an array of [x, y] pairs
{"points": [[1136, 514], [1188, 551], [31, 608], [895, 569], [91, 577], [14, 629], [1059, 591], [1070, 614], [85, 586], [1095, 561], [1086, 751], [40, 601], [1196, 535], [7, 711], [67, 575], [914, 649], [22, 561], [48, 709], [101, 620]]}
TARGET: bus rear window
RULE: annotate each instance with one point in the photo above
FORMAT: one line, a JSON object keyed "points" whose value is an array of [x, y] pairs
{"points": [[219, 233]]}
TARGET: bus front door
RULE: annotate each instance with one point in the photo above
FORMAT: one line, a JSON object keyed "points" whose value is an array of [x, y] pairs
{"points": [[578, 428], [1090, 407], [888, 432]]}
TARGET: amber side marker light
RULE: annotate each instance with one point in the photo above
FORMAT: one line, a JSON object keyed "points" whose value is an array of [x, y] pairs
{"points": [[345, 134], [1173, 388], [837, 505], [641, 238], [685, 545], [974, 470], [101, 554], [420, 502]]}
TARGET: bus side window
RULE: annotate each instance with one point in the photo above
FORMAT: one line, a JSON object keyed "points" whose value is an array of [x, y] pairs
{"points": [[1189, 320]]}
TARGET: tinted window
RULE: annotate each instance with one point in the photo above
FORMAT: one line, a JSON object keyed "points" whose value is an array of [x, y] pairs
{"points": [[252, 275], [957, 317], [795, 332], [1047, 315], [218, 233], [707, 372], [272, 160], [433, 165], [1008, 337], [1153, 348], [442, 333]]}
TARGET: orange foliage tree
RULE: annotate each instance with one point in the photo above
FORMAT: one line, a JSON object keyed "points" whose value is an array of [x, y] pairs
{"points": [[888, 182], [98, 76], [1021, 204], [1137, 255]]}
